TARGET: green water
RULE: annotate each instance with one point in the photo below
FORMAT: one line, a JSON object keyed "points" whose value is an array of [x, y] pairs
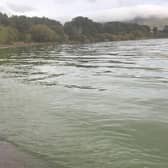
{"points": [[101, 105]]}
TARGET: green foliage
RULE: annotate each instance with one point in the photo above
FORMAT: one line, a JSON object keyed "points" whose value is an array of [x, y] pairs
{"points": [[165, 30], [53, 30], [42, 33], [21, 23], [27, 38], [4, 19], [8, 35], [155, 30], [85, 30], [80, 29]]}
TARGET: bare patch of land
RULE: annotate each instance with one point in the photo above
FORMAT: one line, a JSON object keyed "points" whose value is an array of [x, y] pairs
{"points": [[11, 157]]}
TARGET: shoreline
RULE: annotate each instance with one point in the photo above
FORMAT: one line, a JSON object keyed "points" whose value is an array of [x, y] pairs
{"points": [[20, 44], [12, 157], [31, 44]]}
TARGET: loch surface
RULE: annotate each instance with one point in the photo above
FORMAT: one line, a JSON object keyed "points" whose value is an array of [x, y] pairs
{"points": [[102, 105]]}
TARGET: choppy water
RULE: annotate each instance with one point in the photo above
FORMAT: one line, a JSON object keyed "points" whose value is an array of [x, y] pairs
{"points": [[99, 105]]}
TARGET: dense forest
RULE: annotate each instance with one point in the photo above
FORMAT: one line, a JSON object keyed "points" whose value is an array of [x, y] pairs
{"points": [[80, 29]]}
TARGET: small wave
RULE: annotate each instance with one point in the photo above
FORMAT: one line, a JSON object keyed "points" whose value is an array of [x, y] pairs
{"points": [[79, 87]]}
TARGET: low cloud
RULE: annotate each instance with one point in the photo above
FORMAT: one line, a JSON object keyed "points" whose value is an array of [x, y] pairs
{"points": [[20, 8], [128, 13], [98, 10]]}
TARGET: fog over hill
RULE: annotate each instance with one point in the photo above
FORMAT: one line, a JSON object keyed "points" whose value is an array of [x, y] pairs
{"points": [[151, 21], [97, 10]]}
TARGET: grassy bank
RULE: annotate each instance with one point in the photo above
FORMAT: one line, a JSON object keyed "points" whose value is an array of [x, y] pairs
{"points": [[19, 44]]}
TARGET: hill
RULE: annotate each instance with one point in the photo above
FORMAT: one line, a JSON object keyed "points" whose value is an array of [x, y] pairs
{"points": [[152, 22], [79, 30]]}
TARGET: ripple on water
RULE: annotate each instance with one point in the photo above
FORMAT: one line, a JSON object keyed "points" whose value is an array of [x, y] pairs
{"points": [[90, 105]]}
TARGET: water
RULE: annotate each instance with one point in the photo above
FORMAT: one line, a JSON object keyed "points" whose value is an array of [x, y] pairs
{"points": [[98, 105]]}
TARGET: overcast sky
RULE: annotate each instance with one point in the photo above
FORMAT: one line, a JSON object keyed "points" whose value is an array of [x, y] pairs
{"points": [[99, 10]]}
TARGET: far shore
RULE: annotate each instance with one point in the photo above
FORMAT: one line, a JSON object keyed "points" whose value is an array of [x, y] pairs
{"points": [[19, 44], [25, 44]]}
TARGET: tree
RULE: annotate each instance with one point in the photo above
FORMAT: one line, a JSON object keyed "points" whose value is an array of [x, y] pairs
{"points": [[4, 20], [165, 30], [81, 29], [8, 35], [42, 33], [155, 30]]}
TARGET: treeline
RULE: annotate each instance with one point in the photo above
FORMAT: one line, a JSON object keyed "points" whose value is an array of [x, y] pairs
{"points": [[80, 29], [85, 30], [26, 29], [160, 33]]}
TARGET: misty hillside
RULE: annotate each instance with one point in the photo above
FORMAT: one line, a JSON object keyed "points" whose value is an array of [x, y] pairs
{"points": [[152, 22]]}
